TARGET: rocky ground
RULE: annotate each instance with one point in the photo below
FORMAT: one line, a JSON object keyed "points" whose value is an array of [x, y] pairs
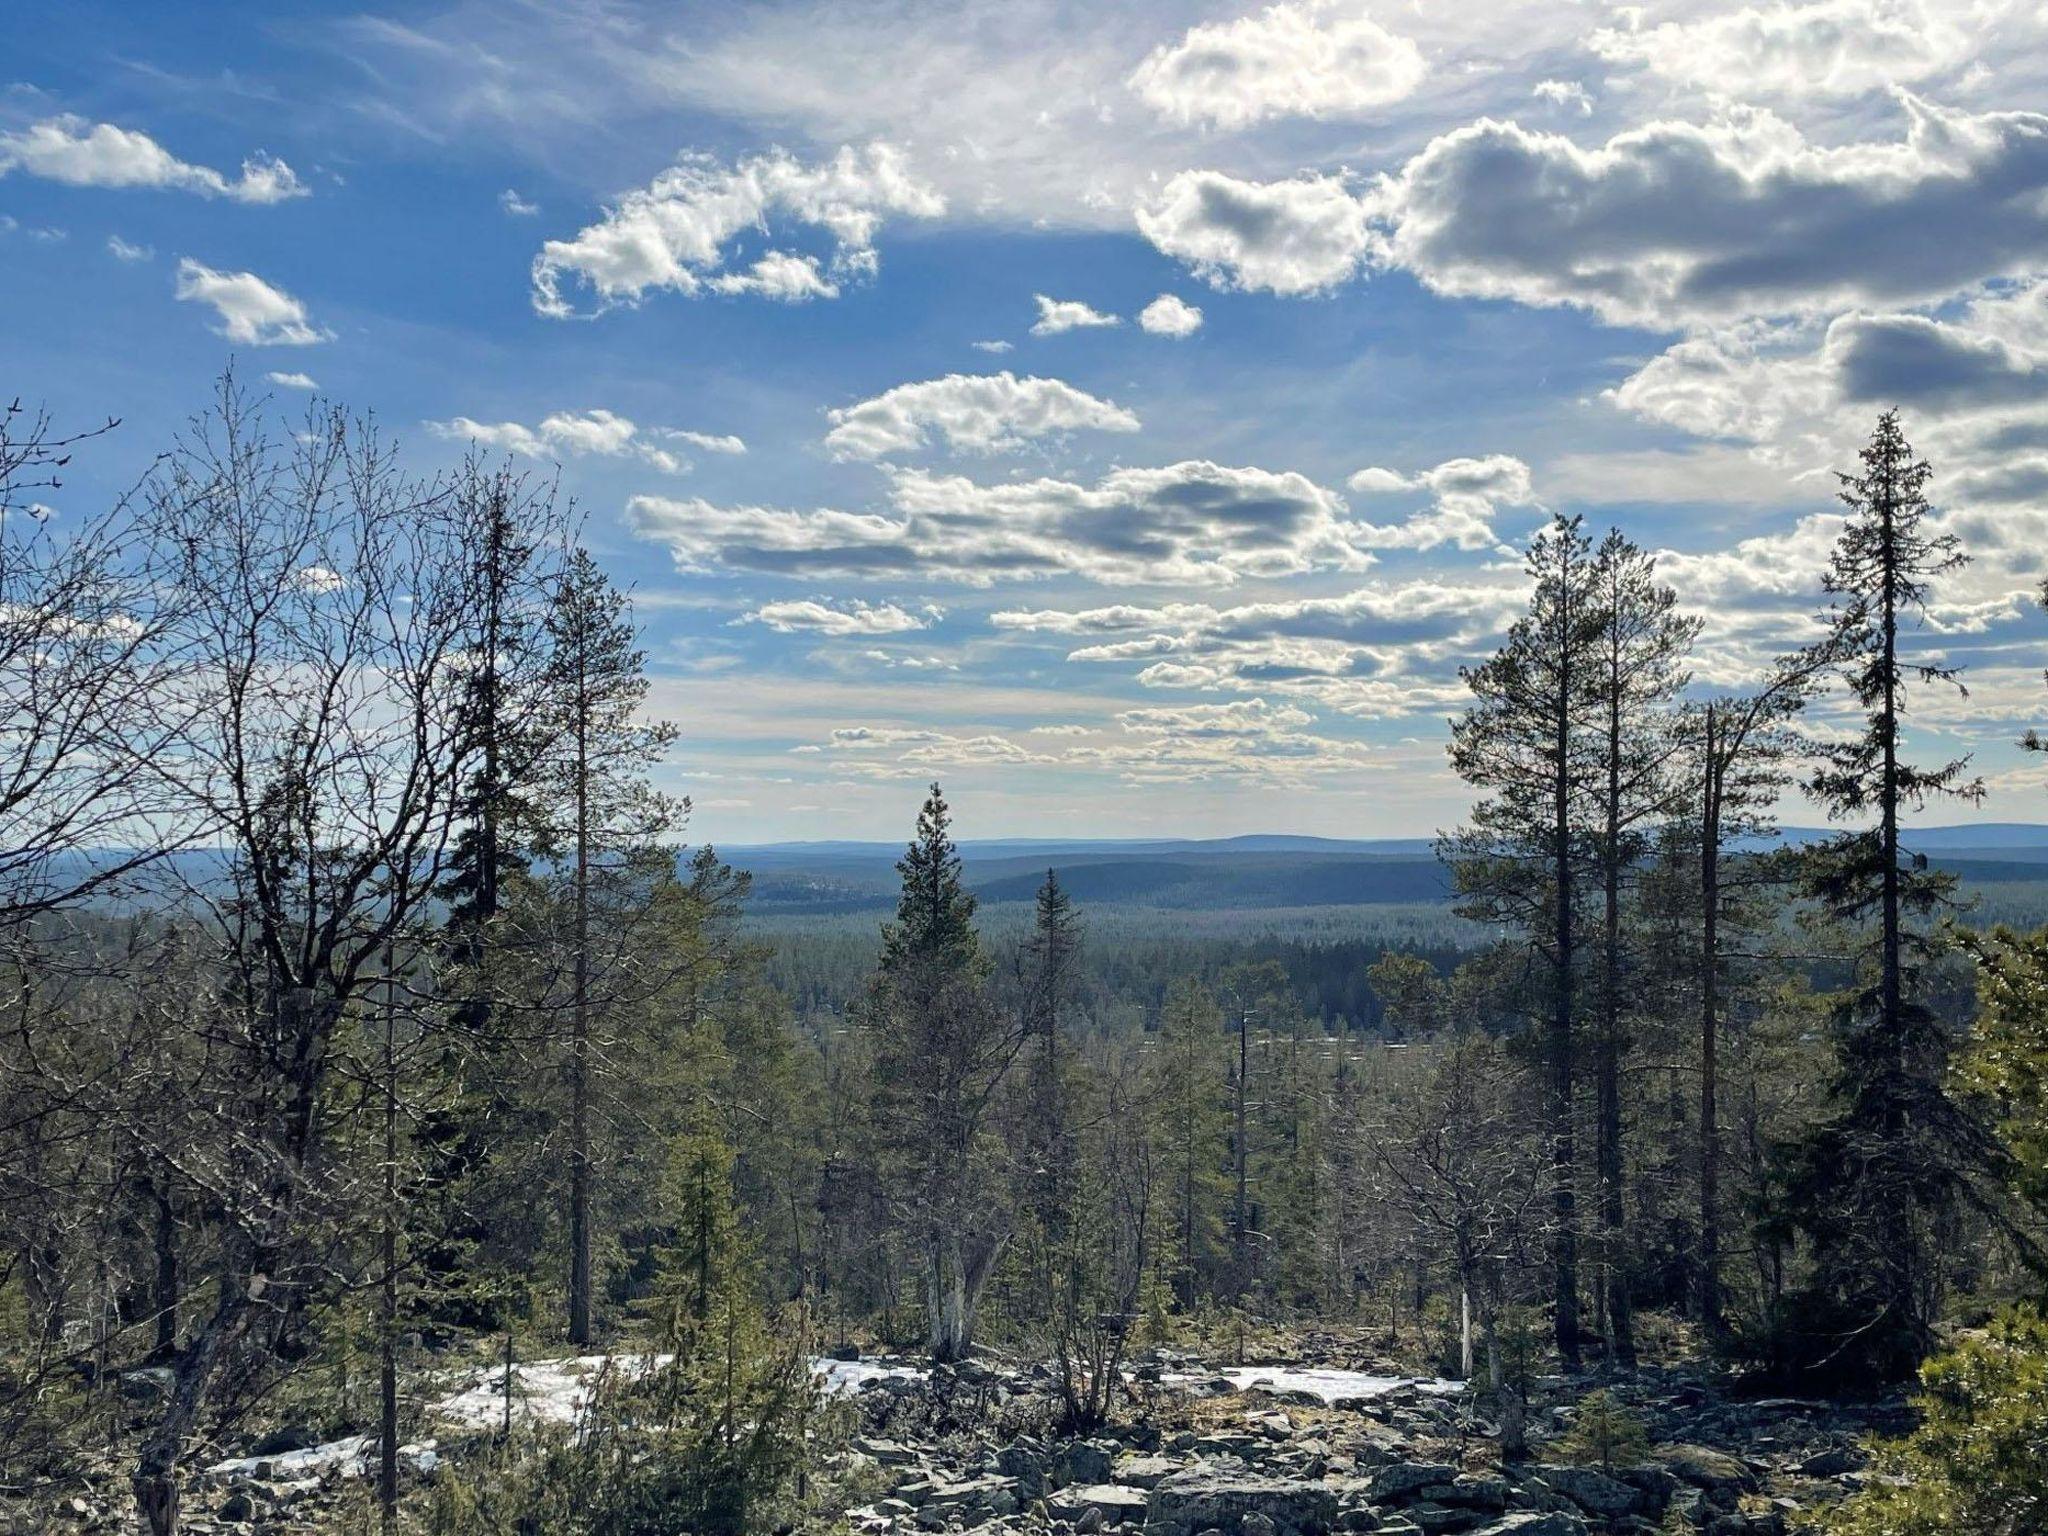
{"points": [[1318, 1446]]}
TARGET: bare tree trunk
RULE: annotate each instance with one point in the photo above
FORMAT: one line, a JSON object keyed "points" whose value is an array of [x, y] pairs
{"points": [[1710, 1029], [387, 1294], [1563, 1152], [164, 1296], [579, 1050]]}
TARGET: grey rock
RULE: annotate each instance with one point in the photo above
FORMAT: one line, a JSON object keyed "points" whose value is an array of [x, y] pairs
{"points": [[1144, 1471], [1083, 1461], [1594, 1492], [1528, 1522], [1400, 1480], [1192, 1501]]}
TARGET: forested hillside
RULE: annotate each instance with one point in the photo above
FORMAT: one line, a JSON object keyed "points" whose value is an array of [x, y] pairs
{"points": [[406, 1126]]}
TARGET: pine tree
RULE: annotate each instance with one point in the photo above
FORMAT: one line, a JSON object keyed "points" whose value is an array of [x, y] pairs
{"points": [[1739, 756], [1639, 670], [608, 825], [1892, 1149], [1191, 1138], [1527, 745]]}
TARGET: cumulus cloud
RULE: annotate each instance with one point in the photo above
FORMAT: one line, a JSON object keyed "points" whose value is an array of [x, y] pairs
{"points": [[601, 433], [1299, 236], [974, 413], [679, 232], [1378, 651], [1675, 224], [1170, 315], [1057, 315], [856, 618], [1194, 523], [1833, 48], [252, 312], [1304, 59], [1567, 94], [78, 153], [1465, 495]]}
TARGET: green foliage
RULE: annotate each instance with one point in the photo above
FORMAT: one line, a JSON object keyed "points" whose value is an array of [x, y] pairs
{"points": [[1974, 1467], [1191, 1139], [1605, 1433], [2007, 1059]]}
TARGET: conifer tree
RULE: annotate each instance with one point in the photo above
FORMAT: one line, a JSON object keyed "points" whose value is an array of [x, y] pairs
{"points": [[1892, 1149], [605, 836], [1527, 745], [1191, 1136], [942, 1051], [1640, 668]]}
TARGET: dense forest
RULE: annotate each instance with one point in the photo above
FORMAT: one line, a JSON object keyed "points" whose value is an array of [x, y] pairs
{"points": [[371, 1020]]}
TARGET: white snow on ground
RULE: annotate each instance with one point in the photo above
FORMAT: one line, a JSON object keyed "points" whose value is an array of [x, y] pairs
{"points": [[543, 1392], [557, 1392], [1330, 1386], [348, 1458]]}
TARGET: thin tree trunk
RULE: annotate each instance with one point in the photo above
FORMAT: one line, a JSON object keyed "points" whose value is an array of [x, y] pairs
{"points": [[579, 1050], [164, 1296], [1563, 1154], [387, 1363], [1710, 1031], [1616, 1314]]}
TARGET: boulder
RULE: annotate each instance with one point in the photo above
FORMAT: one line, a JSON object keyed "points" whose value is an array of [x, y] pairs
{"points": [[1400, 1480], [1083, 1461], [1191, 1502], [1144, 1471], [1110, 1504], [1529, 1522], [1593, 1491]]}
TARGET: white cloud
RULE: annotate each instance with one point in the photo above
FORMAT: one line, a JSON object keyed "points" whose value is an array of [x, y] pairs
{"points": [[1057, 315], [79, 153], [1372, 652], [781, 276], [517, 206], [1465, 495], [1302, 59], [709, 442], [1192, 523], [1289, 237], [122, 250], [855, 618], [997, 347], [602, 433], [251, 311], [1170, 315], [292, 380], [1832, 48], [1675, 224], [975, 413], [1567, 94], [677, 233]]}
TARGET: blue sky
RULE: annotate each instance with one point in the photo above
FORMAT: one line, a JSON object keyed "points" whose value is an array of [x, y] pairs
{"points": [[1127, 417]]}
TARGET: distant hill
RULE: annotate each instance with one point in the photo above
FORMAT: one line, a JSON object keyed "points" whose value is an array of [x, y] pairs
{"points": [[1256, 871]]}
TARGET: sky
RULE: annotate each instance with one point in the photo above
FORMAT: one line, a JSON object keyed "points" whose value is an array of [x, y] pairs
{"points": [[1130, 416]]}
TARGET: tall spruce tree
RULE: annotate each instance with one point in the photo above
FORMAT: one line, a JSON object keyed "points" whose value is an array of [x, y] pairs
{"points": [[1528, 746], [1639, 669], [942, 1051], [605, 838], [1892, 1150]]}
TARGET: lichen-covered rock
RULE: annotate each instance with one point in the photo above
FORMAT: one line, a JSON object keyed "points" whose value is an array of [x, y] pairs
{"points": [[1206, 1498]]}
